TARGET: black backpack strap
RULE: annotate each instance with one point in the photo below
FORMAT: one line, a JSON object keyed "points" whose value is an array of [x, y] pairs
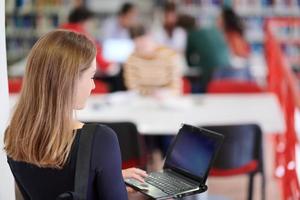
{"points": [[83, 161]]}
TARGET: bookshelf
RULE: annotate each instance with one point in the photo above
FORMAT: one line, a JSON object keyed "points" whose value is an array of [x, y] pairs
{"points": [[27, 20], [287, 33]]}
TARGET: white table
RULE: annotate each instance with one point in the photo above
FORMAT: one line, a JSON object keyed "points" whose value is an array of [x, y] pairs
{"points": [[164, 116]]}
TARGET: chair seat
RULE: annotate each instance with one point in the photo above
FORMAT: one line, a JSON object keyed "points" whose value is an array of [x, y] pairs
{"points": [[248, 168], [233, 86]]}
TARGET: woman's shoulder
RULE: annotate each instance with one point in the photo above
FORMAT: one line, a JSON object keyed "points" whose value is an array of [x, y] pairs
{"points": [[105, 146], [104, 134]]}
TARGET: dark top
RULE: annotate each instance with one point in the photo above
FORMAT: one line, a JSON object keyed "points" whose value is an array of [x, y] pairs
{"points": [[105, 181]]}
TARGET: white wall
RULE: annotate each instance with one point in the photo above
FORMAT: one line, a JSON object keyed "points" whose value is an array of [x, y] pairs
{"points": [[6, 179]]}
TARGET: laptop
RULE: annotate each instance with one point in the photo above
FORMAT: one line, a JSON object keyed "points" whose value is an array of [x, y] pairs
{"points": [[117, 50], [186, 166]]}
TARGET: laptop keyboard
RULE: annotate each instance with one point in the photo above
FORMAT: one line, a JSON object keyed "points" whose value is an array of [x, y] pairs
{"points": [[168, 183]]}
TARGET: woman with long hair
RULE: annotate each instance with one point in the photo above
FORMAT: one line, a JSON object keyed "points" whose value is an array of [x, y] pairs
{"points": [[43, 137], [233, 28]]}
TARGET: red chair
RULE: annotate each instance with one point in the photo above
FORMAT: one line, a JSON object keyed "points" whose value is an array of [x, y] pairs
{"points": [[233, 86], [241, 154], [186, 86], [100, 88], [14, 85]]}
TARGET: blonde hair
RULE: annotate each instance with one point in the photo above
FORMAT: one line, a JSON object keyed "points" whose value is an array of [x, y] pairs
{"points": [[41, 129]]}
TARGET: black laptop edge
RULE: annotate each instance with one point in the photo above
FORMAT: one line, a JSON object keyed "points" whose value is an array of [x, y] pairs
{"points": [[202, 187], [217, 136]]}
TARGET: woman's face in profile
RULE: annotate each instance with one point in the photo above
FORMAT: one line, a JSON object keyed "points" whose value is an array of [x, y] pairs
{"points": [[85, 86]]}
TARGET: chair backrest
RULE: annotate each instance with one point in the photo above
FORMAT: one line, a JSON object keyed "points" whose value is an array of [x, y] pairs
{"points": [[14, 85], [100, 87], [186, 86], [233, 86], [131, 143], [241, 151]]}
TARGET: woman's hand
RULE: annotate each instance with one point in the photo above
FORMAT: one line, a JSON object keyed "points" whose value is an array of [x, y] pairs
{"points": [[134, 173]]}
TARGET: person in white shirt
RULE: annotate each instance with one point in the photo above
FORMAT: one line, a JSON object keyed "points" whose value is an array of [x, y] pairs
{"points": [[118, 26], [169, 34]]}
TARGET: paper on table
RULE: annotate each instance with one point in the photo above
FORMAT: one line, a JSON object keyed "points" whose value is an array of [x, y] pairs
{"points": [[120, 97], [176, 103]]}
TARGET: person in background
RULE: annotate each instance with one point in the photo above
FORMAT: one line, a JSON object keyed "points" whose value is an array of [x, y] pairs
{"points": [[153, 70], [80, 20], [118, 27], [152, 67], [42, 138], [233, 29], [169, 34], [206, 50]]}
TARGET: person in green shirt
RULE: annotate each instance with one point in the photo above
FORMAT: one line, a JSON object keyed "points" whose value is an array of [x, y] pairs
{"points": [[206, 49]]}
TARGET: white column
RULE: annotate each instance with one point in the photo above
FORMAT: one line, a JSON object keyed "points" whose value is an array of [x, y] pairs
{"points": [[6, 179]]}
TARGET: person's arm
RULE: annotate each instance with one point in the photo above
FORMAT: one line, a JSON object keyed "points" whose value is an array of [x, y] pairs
{"points": [[107, 163], [239, 45]]}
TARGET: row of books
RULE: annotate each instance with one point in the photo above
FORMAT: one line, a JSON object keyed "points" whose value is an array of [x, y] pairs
{"points": [[29, 5], [23, 29], [239, 3]]}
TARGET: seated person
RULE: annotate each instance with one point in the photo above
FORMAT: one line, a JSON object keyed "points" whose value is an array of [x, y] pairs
{"points": [[117, 27], [207, 50], [151, 67], [233, 29], [168, 33], [42, 139], [80, 20]]}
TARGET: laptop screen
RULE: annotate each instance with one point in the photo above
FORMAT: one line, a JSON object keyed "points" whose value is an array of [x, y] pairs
{"points": [[193, 152], [117, 50]]}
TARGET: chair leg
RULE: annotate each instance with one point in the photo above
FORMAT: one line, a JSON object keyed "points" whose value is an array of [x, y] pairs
{"points": [[250, 186], [263, 186]]}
